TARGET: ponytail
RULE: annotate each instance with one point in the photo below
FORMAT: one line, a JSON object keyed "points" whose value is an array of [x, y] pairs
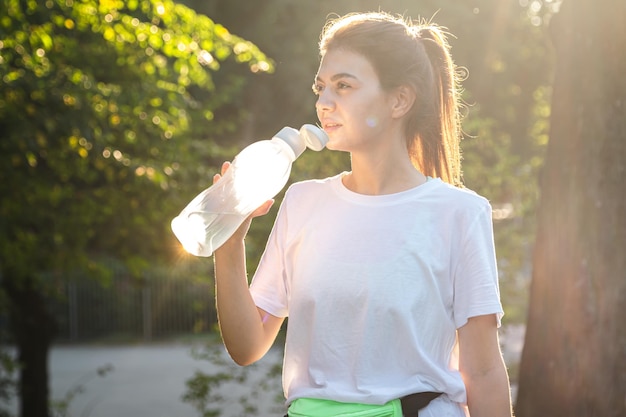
{"points": [[434, 143], [416, 55]]}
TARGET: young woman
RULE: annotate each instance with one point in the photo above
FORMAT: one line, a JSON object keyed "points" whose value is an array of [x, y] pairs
{"points": [[387, 272]]}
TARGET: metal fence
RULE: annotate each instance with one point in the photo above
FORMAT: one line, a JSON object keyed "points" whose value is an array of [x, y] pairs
{"points": [[123, 307]]}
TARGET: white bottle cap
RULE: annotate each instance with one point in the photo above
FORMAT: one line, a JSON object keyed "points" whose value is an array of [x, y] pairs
{"points": [[314, 137], [309, 136]]}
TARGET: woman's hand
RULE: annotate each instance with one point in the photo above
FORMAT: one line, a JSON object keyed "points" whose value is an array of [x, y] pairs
{"points": [[241, 233]]}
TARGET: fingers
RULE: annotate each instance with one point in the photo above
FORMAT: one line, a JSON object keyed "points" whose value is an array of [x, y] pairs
{"points": [[225, 167]]}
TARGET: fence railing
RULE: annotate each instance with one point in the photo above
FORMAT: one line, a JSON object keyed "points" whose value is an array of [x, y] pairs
{"points": [[123, 307]]}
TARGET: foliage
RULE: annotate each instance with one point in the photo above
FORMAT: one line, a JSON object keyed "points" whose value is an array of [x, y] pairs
{"points": [[60, 408], [98, 139], [205, 391]]}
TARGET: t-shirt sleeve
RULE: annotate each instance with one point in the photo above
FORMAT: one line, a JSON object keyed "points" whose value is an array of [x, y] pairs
{"points": [[269, 286], [476, 290]]}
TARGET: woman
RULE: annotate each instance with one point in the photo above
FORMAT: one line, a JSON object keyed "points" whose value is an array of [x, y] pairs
{"points": [[382, 270]]}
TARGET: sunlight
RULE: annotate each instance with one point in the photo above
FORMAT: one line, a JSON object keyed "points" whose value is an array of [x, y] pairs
{"points": [[540, 11], [503, 211], [261, 66], [205, 57]]}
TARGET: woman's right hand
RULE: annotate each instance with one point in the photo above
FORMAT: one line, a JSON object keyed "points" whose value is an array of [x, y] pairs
{"points": [[241, 233]]}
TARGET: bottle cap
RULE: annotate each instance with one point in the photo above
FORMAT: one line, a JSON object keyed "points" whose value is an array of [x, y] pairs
{"points": [[314, 137], [309, 136]]}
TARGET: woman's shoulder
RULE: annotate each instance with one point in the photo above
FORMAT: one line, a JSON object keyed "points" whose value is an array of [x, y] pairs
{"points": [[461, 197], [303, 196]]}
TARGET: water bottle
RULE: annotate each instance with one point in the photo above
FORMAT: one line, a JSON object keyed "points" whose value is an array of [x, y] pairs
{"points": [[256, 175]]}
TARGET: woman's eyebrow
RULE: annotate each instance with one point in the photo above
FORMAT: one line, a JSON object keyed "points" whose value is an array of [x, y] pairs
{"points": [[337, 76]]}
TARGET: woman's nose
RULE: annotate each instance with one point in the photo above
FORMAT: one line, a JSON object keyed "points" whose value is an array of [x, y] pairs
{"points": [[324, 102]]}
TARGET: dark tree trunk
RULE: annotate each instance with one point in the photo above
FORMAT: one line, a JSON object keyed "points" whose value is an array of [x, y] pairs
{"points": [[33, 330], [574, 358]]}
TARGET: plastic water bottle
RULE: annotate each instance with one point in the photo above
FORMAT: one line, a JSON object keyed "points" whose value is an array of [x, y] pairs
{"points": [[257, 174]]}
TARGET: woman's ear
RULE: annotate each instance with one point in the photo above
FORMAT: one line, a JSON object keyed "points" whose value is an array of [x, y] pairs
{"points": [[403, 99]]}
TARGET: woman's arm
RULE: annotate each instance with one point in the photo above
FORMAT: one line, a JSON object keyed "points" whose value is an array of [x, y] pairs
{"points": [[482, 368], [247, 331]]}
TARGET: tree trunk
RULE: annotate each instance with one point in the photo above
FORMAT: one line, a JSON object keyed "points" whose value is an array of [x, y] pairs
{"points": [[574, 358], [33, 330]]}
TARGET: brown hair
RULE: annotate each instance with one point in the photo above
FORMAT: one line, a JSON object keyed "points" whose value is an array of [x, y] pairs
{"points": [[417, 55]]}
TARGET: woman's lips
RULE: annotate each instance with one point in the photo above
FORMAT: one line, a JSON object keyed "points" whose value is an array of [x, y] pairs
{"points": [[331, 126]]}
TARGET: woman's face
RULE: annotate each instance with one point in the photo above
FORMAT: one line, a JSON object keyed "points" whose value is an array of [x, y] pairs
{"points": [[352, 107]]}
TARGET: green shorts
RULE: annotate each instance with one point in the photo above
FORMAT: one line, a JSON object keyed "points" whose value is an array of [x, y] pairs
{"points": [[311, 407]]}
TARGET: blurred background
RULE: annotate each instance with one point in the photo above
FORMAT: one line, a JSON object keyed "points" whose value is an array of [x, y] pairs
{"points": [[114, 114]]}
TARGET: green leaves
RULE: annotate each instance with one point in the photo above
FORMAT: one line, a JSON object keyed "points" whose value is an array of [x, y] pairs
{"points": [[97, 102]]}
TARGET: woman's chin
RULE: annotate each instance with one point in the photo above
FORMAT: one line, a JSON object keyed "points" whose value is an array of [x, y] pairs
{"points": [[334, 145]]}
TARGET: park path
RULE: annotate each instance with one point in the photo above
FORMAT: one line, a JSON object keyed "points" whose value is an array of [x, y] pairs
{"points": [[148, 381]]}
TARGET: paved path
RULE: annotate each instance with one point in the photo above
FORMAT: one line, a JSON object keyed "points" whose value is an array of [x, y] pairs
{"points": [[149, 381]]}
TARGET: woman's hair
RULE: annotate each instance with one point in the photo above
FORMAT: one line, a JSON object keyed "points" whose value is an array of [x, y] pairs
{"points": [[416, 55]]}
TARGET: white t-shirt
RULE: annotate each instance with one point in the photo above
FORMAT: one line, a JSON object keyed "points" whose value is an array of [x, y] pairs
{"points": [[375, 288]]}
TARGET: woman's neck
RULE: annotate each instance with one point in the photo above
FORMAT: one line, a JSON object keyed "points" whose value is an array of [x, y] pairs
{"points": [[379, 176]]}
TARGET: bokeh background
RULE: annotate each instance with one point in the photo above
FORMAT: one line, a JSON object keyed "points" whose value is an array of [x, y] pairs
{"points": [[114, 114]]}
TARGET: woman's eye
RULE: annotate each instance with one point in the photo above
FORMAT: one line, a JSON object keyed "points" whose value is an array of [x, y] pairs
{"points": [[319, 88]]}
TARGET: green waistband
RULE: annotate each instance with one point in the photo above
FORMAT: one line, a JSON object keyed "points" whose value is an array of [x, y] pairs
{"points": [[312, 407]]}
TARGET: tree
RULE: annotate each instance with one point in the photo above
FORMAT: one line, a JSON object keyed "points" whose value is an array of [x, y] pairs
{"points": [[106, 109], [574, 358]]}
